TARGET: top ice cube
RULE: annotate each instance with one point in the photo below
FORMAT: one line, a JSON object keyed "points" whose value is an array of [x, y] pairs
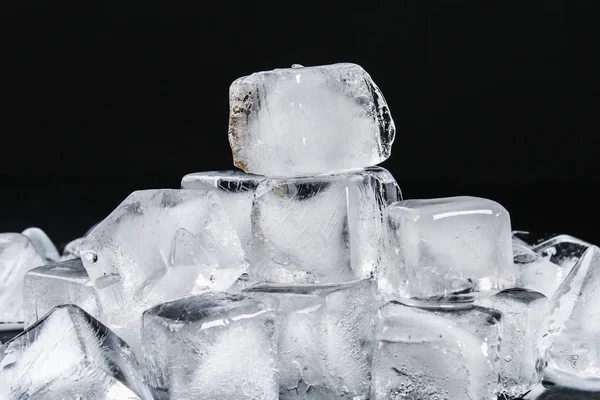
{"points": [[308, 120]]}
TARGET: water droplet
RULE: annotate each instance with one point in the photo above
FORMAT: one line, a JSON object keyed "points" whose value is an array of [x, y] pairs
{"points": [[508, 358], [297, 66]]}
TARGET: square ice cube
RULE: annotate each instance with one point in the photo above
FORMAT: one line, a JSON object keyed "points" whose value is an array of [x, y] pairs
{"points": [[322, 229], [69, 355], [524, 327], [308, 120], [445, 354], [159, 245], [55, 284], [326, 337], [211, 346], [447, 249]]}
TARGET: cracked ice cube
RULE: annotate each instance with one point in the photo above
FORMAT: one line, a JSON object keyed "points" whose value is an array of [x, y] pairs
{"points": [[325, 337], [17, 256], [69, 355], [524, 327], [51, 285], [322, 229], [159, 245], [211, 346], [236, 190], [446, 354], [574, 353], [454, 248], [309, 120], [42, 243]]}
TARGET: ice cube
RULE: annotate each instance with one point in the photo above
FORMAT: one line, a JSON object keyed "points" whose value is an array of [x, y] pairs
{"points": [[445, 354], [574, 354], [326, 337], [211, 346], [42, 243], [563, 250], [156, 246], [69, 355], [449, 249], [323, 229], [540, 275], [309, 120], [236, 190], [51, 285], [17, 256], [524, 327]]}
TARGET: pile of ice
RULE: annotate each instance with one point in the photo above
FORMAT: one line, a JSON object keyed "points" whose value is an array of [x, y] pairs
{"points": [[306, 276]]}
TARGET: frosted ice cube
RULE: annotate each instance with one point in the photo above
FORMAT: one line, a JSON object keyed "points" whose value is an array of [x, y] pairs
{"points": [[156, 246], [524, 327], [211, 346], [444, 354], [325, 337], [309, 120], [322, 229], [42, 243], [454, 248], [51, 285], [574, 354], [69, 355], [17, 256], [236, 190]]}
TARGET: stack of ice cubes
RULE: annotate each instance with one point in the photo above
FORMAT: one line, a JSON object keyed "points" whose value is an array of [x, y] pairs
{"points": [[306, 276]]}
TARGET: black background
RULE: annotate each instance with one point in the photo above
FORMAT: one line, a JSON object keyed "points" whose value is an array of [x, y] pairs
{"points": [[496, 99]]}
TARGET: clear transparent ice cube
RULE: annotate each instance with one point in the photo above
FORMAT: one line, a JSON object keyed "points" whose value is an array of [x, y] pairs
{"points": [[574, 353], [308, 120], [448, 249], [211, 346], [524, 328], [158, 245], [65, 282], [326, 337], [69, 355], [445, 354], [322, 229]]}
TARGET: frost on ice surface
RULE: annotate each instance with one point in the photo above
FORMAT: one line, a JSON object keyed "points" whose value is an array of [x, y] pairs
{"points": [[326, 335], [212, 346], [17, 256], [574, 354], [322, 229], [449, 249], [159, 245], [69, 355], [65, 282], [524, 329], [309, 120], [443, 354], [236, 190]]}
